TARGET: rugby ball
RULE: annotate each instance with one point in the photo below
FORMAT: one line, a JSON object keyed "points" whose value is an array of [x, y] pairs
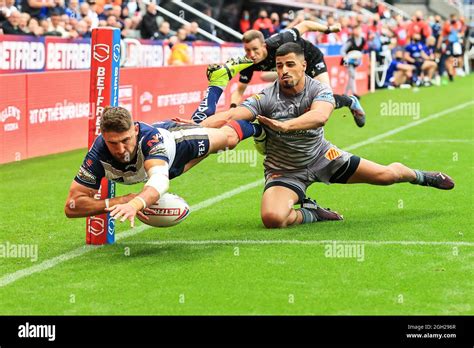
{"points": [[169, 210]]}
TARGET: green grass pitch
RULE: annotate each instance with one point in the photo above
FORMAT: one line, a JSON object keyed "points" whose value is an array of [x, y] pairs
{"points": [[418, 244]]}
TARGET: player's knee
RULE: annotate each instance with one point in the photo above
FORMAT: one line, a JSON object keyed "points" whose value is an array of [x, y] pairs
{"points": [[274, 219]]}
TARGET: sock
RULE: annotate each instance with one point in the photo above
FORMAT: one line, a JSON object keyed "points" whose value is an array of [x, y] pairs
{"points": [[245, 129], [342, 100], [208, 104], [308, 216], [420, 178]]}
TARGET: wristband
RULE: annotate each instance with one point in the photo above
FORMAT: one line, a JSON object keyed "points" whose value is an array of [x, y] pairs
{"points": [[328, 30], [138, 203], [107, 202]]}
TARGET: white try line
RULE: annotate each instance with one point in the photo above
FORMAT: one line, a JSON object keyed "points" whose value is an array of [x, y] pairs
{"points": [[426, 141], [50, 263], [294, 241]]}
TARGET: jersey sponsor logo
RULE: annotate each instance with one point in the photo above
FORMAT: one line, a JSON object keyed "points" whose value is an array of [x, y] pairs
{"points": [[86, 176], [332, 153], [201, 148], [157, 150], [156, 139]]}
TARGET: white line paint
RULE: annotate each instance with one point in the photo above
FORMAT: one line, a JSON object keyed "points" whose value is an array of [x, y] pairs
{"points": [[409, 125], [50, 263], [426, 141], [293, 241]]}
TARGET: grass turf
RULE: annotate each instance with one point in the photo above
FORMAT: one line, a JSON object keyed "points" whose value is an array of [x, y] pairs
{"points": [[238, 278]]}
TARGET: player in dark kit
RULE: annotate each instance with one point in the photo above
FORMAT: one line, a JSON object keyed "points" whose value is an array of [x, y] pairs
{"points": [[260, 56], [130, 152]]}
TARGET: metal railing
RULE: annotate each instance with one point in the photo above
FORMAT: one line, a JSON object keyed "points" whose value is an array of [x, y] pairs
{"points": [[183, 21], [211, 20], [308, 6], [394, 9]]}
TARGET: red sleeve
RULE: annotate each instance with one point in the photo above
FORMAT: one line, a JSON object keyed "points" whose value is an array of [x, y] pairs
{"points": [[256, 25], [446, 29]]}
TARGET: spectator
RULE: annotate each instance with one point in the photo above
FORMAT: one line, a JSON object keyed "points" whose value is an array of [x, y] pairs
{"points": [[179, 50], [37, 8], [24, 18], [12, 26], [419, 26], [245, 21], [7, 7], [399, 71], [86, 10], [34, 28], [285, 20], [73, 9], [264, 24], [415, 53], [195, 31], [275, 18], [58, 7], [148, 25], [164, 32], [450, 43], [401, 31], [106, 12], [82, 29], [436, 27], [55, 28]]}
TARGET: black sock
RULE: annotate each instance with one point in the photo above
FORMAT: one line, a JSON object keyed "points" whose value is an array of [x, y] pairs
{"points": [[342, 101]]}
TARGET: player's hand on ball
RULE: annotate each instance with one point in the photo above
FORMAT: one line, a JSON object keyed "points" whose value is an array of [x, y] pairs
{"points": [[123, 212], [273, 124]]}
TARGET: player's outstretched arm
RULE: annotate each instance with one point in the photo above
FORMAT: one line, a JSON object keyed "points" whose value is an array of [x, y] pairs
{"points": [[220, 119], [237, 95], [157, 185], [81, 202], [305, 26]]}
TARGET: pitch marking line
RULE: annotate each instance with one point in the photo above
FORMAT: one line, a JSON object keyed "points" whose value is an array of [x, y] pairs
{"points": [[426, 141], [294, 241], [50, 263]]}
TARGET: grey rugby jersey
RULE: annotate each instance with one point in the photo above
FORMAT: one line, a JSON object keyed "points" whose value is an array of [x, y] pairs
{"points": [[296, 149]]}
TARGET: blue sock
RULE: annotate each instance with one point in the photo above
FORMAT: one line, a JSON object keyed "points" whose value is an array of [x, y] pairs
{"points": [[245, 129], [208, 105]]}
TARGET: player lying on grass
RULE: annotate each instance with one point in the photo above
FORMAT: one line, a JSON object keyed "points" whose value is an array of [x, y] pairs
{"points": [[130, 152], [293, 112], [260, 56]]}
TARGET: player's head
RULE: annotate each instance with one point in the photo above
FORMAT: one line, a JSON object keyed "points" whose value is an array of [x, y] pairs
{"points": [[119, 133], [254, 45], [290, 65]]}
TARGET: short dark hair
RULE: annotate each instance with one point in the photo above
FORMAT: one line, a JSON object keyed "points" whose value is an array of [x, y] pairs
{"points": [[289, 47], [251, 35], [115, 119]]}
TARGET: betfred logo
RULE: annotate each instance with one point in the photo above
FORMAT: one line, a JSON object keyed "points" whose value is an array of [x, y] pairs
{"points": [[166, 212], [100, 100], [7, 113], [101, 52], [96, 225]]}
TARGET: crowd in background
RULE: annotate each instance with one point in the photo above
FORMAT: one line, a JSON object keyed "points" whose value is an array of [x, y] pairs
{"points": [[428, 46]]}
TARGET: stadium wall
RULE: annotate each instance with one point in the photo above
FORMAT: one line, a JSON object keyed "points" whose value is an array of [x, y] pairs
{"points": [[46, 113]]}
